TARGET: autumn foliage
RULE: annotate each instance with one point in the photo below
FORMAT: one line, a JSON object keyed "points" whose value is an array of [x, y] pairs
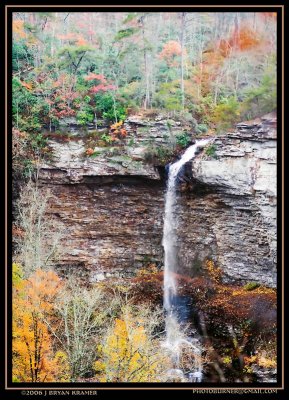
{"points": [[33, 356], [170, 53], [117, 131], [129, 354]]}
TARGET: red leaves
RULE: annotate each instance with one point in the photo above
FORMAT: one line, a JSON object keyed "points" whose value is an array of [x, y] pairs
{"points": [[93, 76], [102, 87]]}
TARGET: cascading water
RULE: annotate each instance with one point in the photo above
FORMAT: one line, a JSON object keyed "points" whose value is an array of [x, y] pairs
{"points": [[182, 349]]}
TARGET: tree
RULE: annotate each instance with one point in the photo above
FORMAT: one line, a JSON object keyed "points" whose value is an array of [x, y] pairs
{"points": [[130, 351], [80, 313], [182, 40], [70, 57], [33, 358], [37, 247]]}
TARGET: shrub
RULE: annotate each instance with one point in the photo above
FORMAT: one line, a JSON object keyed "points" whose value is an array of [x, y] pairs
{"points": [[183, 139], [214, 272], [201, 128], [160, 155], [261, 99], [211, 151], [226, 113], [110, 109], [251, 286], [85, 115]]}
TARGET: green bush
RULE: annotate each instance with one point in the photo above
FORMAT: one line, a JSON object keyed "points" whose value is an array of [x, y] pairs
{"points": [[201, 128], [110, 108], [169, 97], [226, 113], [211, 151], [183, 139], [160, 155], [85, 115], [261, 99], [251, 286]]}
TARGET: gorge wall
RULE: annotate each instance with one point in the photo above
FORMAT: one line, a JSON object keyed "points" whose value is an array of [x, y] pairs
{"points": [[112, 205]]}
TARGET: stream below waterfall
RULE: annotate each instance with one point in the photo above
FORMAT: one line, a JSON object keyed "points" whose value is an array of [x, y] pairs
{"points": [[184, 349]]}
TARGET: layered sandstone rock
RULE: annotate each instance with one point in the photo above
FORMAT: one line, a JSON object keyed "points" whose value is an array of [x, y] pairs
{"points": [[112, 205]]}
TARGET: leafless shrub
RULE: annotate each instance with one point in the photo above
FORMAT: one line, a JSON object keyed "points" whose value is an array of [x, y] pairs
{"points": [[39, 244]]}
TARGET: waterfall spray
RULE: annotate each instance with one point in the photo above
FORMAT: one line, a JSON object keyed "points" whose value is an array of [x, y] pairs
{"points": [[176, 340]]}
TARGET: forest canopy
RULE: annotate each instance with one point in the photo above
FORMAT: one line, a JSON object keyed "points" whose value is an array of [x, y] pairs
{"points": [[215, 68]]}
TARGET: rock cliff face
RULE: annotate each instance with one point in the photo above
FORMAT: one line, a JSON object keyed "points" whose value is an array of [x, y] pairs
{"points": [[233, 218], [112, 205]]}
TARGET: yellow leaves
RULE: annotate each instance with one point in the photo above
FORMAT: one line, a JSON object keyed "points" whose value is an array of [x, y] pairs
{"points": [[261, 360], [250, 360], [62, 367], [17, 275], [41, 289], [151, 269], [227, 360], [214, 272], [116, 125], [125, 354], [32, 346], [267, 362]]}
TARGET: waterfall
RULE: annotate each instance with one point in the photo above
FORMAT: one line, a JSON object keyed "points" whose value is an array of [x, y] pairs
{"points": [[177, 343]]}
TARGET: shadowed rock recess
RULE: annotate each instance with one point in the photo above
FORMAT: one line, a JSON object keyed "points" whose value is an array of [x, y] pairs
{"points": [[112, 205]]}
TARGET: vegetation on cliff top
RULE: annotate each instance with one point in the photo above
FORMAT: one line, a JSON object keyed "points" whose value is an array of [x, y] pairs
{"points": [[213, 68]]}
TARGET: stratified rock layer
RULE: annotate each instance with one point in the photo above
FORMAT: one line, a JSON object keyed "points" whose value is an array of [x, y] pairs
{"points": [[112, 206], [238, 217]]}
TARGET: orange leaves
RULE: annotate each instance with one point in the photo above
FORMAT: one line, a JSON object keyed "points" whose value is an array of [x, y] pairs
{"points": [[245, 39], [81, 41], [170, 51], [116, 125], [32, 345], [89, 151], [242, 39], [74, 38], [26, 85], [18, 28], [117, 132]]}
